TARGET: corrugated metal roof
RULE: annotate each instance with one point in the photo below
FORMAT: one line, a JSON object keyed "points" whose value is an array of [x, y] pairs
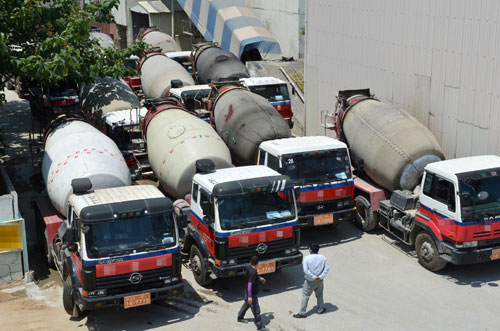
{"points": [[232, 24]]}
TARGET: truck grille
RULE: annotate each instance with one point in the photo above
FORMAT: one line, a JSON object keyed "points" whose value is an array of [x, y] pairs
{"points": [[121, 283], [315, 208], [274, 249], [486, 234]]}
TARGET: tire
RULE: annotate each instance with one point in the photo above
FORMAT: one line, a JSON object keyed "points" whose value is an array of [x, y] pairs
{"points": [[48, 251], [365, 216], [68, 300], [428, 255], [198, 266]]}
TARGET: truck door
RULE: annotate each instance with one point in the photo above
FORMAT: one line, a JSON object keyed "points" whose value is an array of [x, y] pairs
{"points": [[439, 201], [208, 232]]}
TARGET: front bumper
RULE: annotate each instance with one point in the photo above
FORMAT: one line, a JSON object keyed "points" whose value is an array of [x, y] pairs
{"points": [[239, 269], [470, 255], [338, 216], [117, 300]]}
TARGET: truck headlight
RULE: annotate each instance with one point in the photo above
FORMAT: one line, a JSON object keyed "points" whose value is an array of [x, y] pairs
{"points": [[466, 244], [167, 281], [347, 203], [339, 204], [175, 279], [290, 250], [232, 261]]}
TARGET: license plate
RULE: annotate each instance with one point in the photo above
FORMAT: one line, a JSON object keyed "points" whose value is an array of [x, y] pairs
{"points": [[266, 267], [137, 300], [323, 219], [495, 254]]}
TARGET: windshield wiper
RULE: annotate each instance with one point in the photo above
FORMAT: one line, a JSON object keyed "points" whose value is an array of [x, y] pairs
{"points": [[116, 253]]}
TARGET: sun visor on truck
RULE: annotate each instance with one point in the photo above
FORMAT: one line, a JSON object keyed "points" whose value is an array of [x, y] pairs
{"points": [[253, 185], [126, 209]]}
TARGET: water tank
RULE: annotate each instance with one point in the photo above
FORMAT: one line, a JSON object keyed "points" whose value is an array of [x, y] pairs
{"points": [[157, 73], [244, 120], [175, 141], [106, 95], [212, 63], [162, 40], [75, 149], [394, 145]]}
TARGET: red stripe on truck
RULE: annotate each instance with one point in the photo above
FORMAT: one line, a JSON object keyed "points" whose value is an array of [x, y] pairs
{"points": [[125, 267]]}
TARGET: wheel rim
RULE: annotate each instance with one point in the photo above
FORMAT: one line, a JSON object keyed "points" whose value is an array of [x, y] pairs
{"points": [[427, 251], [362, 214], [196, 265]]}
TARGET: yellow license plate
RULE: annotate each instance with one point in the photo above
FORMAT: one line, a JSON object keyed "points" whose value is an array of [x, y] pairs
{"points": [[137, 300], [495, 254], [323, 219], [266, 267]]}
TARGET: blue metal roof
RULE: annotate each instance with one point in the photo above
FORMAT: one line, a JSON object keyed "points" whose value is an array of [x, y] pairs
{"points": [[233, 25]]}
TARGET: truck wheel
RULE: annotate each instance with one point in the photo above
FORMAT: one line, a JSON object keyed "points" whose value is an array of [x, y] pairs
{"points": [[428, 255], [198, 267], [48, 251], [365, 216], [68, 300]]}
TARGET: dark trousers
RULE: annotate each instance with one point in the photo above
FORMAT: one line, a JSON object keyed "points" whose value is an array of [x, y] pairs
{"points": [[254, 307]]}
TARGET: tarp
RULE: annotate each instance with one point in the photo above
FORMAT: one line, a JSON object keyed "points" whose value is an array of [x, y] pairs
{"points": [[233, 25], [150, 7]]}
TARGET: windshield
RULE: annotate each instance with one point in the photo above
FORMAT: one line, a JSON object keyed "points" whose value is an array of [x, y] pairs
{"points": [[130, 235], [276, 92], [310, 168], [480, 195], [256, 209]]}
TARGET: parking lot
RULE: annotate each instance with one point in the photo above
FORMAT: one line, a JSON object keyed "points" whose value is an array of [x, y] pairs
{"points": [[375, 283]]}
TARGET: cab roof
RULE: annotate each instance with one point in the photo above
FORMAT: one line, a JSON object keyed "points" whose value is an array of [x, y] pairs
{"points": [[253, 81], [121, 118], [300, 145], [233, 175], [113, 195], [464, 164]]}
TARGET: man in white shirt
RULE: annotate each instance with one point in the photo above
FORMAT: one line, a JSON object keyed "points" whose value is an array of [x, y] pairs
{"points": [[315, 269]]}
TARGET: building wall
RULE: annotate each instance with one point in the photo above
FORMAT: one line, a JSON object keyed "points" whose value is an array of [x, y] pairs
{"points": [[285, 20], [439, 60]]}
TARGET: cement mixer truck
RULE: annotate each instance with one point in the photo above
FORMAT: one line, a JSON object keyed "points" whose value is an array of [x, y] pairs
{"points": [[225, 215], [320, 169], [452, 217], [114, 245]]}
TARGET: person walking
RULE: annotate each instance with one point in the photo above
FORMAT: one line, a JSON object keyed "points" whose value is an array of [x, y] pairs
{"points": [[251, 290], [315, 269]]}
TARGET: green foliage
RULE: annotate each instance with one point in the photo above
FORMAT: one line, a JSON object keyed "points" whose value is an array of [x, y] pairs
{"points": [[49, 41]]}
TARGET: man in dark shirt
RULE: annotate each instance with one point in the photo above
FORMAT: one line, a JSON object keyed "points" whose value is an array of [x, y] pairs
{"points": [[251, 300]]}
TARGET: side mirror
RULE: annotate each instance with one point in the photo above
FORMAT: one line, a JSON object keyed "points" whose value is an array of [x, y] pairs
{"points": [[361, 165], [296, 192], [70, 235], [293, 90]]}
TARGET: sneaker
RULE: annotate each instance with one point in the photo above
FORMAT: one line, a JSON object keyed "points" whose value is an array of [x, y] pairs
{"points": [[299, 316], [321, 311], [262, 328], [240, 319]]}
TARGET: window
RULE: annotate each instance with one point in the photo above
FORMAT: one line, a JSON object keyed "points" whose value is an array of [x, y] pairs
{"points": [[194, 196], [262, 157], [273, 162], [428, 184], [441, 190]]}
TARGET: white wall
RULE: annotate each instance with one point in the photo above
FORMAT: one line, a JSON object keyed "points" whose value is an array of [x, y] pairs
{"points": [[438, 59], [284, 19]]}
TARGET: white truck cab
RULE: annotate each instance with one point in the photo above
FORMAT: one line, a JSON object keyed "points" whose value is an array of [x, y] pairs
{"points": [[194, 98]]}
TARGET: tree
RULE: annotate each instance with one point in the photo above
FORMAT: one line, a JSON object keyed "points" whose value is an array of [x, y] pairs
{"points": [[49, 41]]}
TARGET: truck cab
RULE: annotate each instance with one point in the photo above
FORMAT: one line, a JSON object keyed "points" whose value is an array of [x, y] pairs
{"points": [[275, 91], [236, 213], [460, 209], [320, 168], [118, 247]]}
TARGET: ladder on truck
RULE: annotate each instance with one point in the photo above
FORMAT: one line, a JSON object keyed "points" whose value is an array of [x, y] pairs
{"points": [[139, 147]]}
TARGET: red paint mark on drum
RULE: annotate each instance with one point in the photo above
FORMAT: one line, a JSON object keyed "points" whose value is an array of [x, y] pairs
{"points": [[194, 137], [164, 160], [230, 113], [93, 148], [51, 181], [89, 152], [101, 152], [59, 164], [76, 157], [182, 142], [171, 151], [112, 154], [57, 171], [77, 152], [85, 150], [68, 156], [65, 163], [161, 174]]}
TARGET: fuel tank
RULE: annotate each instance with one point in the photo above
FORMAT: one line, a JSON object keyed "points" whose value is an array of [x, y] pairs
{"points": [[212, 62], [106, 95], [394, 145], [244, 120], [175, 141], [75, 149], [162, 40], [157, 73]]}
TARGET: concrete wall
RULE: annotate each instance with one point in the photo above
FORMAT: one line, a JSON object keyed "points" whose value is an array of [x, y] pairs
{"points": [[438, 60], [285, 20]]}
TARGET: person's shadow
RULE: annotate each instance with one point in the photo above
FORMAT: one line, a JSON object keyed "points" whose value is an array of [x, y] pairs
{"points": [[329, 308]]}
